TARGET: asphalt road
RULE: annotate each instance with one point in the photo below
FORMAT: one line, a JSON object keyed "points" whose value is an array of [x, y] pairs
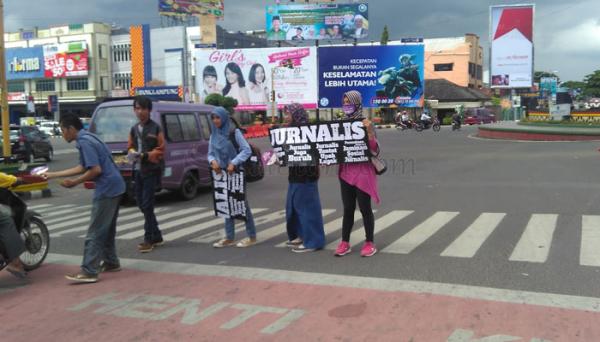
{"points": [[455, 209]]}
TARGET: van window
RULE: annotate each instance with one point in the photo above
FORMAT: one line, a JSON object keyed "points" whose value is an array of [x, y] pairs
{"points": [[205, 124], [113, 124], [173, 131], [189, 127]]}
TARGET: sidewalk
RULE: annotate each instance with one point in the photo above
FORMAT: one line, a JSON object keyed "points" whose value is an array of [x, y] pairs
{"points": [[193, 302]]}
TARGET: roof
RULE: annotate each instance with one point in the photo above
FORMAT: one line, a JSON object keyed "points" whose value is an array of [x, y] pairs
{"points": [[446, 91]]}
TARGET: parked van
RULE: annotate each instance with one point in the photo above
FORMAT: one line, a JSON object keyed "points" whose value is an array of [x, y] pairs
{"points": [[186, 128]]}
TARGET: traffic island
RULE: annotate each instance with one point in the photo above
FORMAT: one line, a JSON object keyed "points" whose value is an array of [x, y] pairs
{"points": [[513, 131]]}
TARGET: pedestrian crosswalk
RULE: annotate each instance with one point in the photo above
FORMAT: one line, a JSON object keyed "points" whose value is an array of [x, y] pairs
{"points": [[400, 232]]}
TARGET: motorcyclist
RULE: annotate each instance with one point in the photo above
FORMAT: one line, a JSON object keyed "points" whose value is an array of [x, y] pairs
{"points": [[425, 118], [11, 244], [456, 119]]}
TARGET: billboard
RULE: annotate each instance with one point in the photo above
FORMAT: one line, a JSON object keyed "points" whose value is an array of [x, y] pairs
{"points": [[191, 7], [66, 60], [24, 63], [384, 75], [511, 56], [249, 75], [317, 21]]}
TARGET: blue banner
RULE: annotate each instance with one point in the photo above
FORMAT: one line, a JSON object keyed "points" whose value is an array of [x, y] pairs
{"points": [[25, 63], [160, 93], [384, 75]]}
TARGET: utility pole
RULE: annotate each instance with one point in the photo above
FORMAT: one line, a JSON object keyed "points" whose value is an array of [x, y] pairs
{"points": [[4, 91]]}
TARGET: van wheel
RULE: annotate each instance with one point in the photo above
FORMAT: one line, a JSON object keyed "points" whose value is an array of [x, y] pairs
{"points": [[189, 186]]}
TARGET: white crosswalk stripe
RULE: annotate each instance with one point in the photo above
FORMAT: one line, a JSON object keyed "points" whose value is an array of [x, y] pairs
{"points": [[535, 242], [121, 229], [420, 233], [590, 241], [469, 242], [217, 234], [39, 206], [198, 225]]}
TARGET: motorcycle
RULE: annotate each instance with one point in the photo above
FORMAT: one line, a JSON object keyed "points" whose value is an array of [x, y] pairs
{"points": [[31, 228], [456, 125], [434, 125], [404, 126]]}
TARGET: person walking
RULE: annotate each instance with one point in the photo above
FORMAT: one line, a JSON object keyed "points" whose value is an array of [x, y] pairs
{"points": [[222, 155], [304, 217], [358, 183], [95, 164], [146, 147]]}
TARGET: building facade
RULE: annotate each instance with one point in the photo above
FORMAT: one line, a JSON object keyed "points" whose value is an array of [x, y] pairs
{"points": [[458, 60], [71, 62]]}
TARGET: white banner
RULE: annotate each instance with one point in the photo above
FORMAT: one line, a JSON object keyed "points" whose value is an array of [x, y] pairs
{"points": [[511, 64], [249, 75], [229, 194]]}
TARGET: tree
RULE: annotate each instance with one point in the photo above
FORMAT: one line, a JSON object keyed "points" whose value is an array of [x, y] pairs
{"points": [[385, 36], [592, 84], [539, 74], [219, 100]]}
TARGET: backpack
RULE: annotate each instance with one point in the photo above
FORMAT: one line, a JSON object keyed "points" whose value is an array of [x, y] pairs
{"points": [[253, 166]]}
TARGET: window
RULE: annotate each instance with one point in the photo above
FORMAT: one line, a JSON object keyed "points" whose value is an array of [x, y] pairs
{"points": [[189, 127], [172, 128], [480, 72], [77, 84], [444, 67], [122, 81], [45, 85], [16, 86], [112, 124], [103, 83], [205, 125], [102, 51], [122, 53]]}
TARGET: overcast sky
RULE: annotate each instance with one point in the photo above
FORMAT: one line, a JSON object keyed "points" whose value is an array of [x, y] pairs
{"points": [[567, 33]]}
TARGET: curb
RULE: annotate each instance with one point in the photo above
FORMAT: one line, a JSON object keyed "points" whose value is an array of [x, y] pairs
{"points": [[35, 194]]}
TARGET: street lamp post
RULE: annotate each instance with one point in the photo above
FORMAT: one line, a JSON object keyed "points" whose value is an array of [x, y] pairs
{"points": [[4, 90]]}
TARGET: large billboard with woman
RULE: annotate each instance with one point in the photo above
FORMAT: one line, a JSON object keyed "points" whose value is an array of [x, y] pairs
{"points": [[249, 75]]}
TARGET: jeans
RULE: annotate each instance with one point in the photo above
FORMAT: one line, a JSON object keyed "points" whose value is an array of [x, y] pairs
{"points": [[250, 227], [11, 244], [100, 239], [145, 188], [303, 214]]}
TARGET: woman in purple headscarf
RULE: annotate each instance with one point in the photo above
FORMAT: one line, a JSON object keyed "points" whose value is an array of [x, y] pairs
{"points": [[303, 206], [358, 183]]}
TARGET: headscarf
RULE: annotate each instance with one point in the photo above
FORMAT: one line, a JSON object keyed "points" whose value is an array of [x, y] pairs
{"points": [[223, 149], [299, 115], [355, 99]]}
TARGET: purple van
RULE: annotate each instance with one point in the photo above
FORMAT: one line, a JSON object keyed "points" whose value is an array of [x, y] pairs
{"points": [[186, 128]]}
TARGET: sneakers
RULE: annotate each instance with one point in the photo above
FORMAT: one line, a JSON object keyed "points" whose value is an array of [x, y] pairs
{"points": [[82, 278], [342, 249], [145, 247], [223, 243], [247, 242], [108, 268], [368, 249], [302, 249], [294, 243]]}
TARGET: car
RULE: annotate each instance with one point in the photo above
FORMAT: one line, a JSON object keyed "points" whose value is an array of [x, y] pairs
{"points": [[479, 116], [50, 128], [29, 143], [187, 131]]}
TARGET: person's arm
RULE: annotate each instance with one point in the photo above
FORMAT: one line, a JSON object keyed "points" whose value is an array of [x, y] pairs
{"points": [[156, 155], [244, 96], [130, 145], [245, 150], [7, 181], [89, 165], [74, 171], [212, 160], [89, 175]]}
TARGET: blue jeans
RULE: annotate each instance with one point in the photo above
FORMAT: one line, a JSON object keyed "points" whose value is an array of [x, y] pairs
{"points": [[250, 227], [100, 239], [304, 218], [145, 189]]}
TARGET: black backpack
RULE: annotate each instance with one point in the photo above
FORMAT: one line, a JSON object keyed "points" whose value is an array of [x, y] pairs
{"points": [[253, 166]]}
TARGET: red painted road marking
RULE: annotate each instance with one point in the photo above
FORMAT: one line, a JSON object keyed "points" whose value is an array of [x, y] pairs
{"points": [[141, 305]]}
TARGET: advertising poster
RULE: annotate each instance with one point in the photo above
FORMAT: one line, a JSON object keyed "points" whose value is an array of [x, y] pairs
{"points": [[317, 21], [229, 194], [249, 75], [384, 75], [215, 8], [321, 144], [24, 63], [66, 60], [511, 64]]}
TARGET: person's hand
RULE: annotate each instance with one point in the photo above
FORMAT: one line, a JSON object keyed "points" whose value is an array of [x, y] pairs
{"points": [[68, 183], [369, 126], [215, 166], [133, 156], [230, 168]]}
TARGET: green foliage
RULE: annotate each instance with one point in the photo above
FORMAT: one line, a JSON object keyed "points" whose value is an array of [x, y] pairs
{"points": [[592, 84], [219, 100]]}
